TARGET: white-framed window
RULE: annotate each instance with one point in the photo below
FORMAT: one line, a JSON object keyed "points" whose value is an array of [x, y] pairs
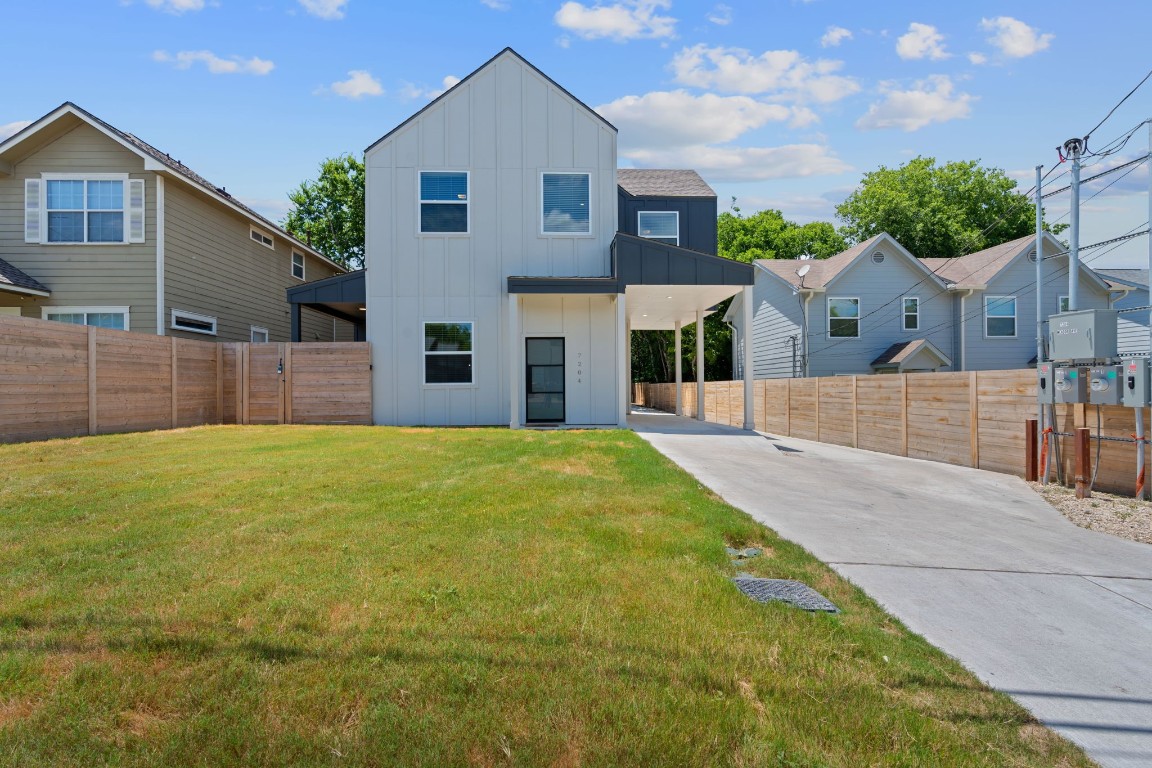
{"points": [[843, 318], [1000, 317], [911, 321], [83, 208], [444, 202], [448, 352], [193, 322], [661, 226], [261, 237], [566, 203], [258, 335], [101, 317], [1062, 304], [297, 265]]}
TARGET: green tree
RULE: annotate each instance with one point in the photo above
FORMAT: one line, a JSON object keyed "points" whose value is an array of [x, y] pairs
{"points": [[328, 213], [938, 210], [768, 235]]}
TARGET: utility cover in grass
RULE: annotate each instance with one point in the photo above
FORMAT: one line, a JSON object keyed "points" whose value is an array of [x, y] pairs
{"points": [[791, 592]]}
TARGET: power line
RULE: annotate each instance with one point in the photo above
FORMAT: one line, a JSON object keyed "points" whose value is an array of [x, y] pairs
{"points": [[1137, 161], [1111, 111]]}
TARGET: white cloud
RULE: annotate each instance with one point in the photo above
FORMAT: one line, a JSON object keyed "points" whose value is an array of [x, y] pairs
{"points": [[921, 41], [659, 117], [177, 6], [359, 84], [11, 129], [833, 36], [787, 73], [234, 65], [412, 91], [977, 58], [329, 10], [721, 15], [497, 5], [722, 164], [929, 101], [624, 20], [1014, 38]]}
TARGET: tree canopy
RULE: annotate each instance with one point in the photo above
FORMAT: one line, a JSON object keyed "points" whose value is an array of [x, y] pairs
{"points": [[938, 210], [768, 235], [328, 213]]}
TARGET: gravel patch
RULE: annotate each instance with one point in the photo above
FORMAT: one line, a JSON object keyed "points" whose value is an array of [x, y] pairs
{"points": [[1118, 515]]}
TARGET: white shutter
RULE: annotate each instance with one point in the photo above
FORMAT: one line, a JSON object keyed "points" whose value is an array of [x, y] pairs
{"points": [[33, 215], [135, 210]]}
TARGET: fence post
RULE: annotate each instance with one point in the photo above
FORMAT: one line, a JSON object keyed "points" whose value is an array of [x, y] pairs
{"points": [[855, 417], [288, 383], [219, 383], [1083, 467], [788, 407], [903, 414], [174, 382], [817, 409], [1031, 473], [974, 418], [93, 425]]}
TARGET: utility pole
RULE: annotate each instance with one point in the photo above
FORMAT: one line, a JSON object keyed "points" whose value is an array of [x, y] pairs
{"points": [[1073, 148], [1040, 435]]}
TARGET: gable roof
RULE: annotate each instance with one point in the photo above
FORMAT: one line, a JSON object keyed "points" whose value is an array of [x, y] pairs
{"points": [[976, 270], [654, 182], [506, 52], [823, 272], [13, 278], [900, 354], [1134, 278], [164, 160]]}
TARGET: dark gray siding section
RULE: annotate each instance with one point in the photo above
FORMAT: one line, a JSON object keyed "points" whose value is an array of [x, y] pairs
{"points": [[697, 217]]}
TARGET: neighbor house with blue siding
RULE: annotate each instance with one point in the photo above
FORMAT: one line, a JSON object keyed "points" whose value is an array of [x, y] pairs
{"points": [[1130, 292], [876, 308]]}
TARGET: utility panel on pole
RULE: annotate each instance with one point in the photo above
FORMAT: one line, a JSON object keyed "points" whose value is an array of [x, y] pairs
{"points": [[1089, 334]]}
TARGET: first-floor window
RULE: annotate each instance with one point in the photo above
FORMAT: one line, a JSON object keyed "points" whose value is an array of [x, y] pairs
{"points": [[1000, 316], [193, 322], [843, 318], [447, 353], [259, 335], [911, 313], [101, 317], [1063, 304]]}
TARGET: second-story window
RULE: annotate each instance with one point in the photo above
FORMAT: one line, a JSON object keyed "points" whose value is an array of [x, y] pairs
{"points": [[843, 318], [297, 265], [911, 313], [443, 202], [662, 226], [567, 204]]}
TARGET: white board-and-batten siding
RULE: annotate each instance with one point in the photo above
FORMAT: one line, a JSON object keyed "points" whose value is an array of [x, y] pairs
{"points": [[504, 125]]}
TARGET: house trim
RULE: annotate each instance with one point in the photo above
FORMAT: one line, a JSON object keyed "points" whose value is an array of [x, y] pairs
{"points": [[159, 255]]}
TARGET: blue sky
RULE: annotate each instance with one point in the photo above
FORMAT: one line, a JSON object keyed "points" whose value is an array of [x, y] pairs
{"points": [[780, 103]]}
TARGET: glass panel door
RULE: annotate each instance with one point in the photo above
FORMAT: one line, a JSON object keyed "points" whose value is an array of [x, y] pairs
{"points": [[544, 401]]}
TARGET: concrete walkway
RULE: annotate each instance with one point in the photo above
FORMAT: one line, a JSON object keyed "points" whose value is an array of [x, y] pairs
{"points": [[1056, 616]]}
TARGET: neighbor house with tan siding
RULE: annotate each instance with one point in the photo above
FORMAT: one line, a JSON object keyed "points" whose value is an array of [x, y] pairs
{"points": [[100, 228]]}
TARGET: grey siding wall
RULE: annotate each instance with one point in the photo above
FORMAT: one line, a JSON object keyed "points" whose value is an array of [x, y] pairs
{"points": [[697, 218], [505, 125], [213, 267], [82, 275], [1019, 279], [777, 316], [880, 288], [1132, 327]]}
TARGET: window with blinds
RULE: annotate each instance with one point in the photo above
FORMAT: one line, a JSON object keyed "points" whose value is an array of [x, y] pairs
{"points": [[566, 203], [662, 226], [447, 353], [443, 202]]}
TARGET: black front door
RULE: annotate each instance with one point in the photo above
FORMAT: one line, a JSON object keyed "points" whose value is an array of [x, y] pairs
{"points": [[545, 383]]}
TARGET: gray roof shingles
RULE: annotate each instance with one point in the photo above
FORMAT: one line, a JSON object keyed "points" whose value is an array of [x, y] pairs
{"points": [[10, 275], [653, 182]]}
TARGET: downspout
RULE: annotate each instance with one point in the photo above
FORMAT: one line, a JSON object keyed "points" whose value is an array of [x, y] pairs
{"points": [[804, 339], [964, 329]]}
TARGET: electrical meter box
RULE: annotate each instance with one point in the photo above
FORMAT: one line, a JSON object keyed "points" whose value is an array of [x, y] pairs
{"points": [[1071, 385], [1045, 386], [1089, 334], [1105, 385], [1136, 388]]}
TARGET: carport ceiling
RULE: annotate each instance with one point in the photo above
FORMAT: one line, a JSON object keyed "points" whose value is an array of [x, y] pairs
{"points": [[658, 307]]}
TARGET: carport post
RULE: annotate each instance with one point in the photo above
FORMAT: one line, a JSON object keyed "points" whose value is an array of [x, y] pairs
{"points": [[679, 373], [514, 367], [700, 364], [628, 358], [749, 403]]}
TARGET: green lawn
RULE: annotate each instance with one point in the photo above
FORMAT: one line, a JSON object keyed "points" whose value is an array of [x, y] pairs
{"points": [[247, 596]]}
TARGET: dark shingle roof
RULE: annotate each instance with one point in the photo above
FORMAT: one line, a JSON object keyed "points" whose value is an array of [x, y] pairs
{"points": [[651, 182], [10, 275]]}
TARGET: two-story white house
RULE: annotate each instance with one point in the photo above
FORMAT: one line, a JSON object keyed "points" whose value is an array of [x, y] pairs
{"points": [[499, 290]]}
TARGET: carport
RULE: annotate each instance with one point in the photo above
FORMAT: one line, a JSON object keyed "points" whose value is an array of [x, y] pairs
{"points": [[340, 296]]}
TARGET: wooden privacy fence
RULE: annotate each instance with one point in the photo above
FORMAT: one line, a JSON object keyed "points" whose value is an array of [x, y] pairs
{"points": [[974, 419], [59, 380]]}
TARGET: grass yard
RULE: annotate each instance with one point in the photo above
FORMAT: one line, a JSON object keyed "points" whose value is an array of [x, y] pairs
{"points": [[247, 596]]}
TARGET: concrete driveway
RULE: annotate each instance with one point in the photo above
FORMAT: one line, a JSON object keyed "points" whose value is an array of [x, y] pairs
{"points": [[1056, 616]]}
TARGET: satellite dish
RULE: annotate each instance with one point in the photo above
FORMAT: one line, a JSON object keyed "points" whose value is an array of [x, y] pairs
{"points": [[803, 270]]}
